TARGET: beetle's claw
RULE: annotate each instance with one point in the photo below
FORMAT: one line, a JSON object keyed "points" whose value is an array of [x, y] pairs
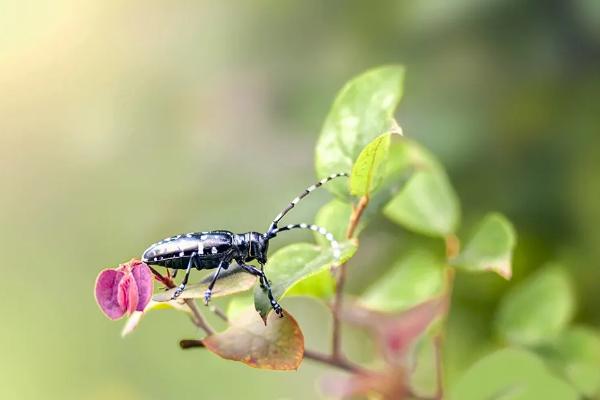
{"points": [[277, 308], [178, 291], [207, 296]]}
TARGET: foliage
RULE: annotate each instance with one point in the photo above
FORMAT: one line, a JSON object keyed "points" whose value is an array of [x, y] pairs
{"points": [[404, 311]]}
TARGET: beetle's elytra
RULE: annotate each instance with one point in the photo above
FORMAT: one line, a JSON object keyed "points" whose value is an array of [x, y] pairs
{"points": [[218, 249]]}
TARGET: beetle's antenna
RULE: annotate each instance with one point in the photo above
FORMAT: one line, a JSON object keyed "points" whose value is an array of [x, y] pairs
{"points": [[309, 189], [335, 246]]}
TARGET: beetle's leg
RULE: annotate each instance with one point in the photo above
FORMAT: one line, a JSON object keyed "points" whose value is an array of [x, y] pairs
{"points": [[208, 292], [264, 283], [174, 273], [181, 287], [263, 278]]}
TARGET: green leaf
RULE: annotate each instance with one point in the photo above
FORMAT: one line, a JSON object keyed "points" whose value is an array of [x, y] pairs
{"points": [[511, 374], [405, 157], [320, 285], [362, 110], [291, 265], [367, 172], [334, 217], [230, 282], [278, 345], [409, 282], [427, 204], [491, 247], [538, 309], [578, 350]]}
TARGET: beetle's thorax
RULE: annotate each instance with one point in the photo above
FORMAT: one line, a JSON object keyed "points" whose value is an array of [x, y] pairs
{"points": [[252, 246]]}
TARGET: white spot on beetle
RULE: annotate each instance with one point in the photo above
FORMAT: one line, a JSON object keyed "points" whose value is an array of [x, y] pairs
{"points": [[213, 250], [303, 226]]}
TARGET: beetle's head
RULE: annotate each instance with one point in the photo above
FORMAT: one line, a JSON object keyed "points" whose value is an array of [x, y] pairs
{"points": [[258, 247]]}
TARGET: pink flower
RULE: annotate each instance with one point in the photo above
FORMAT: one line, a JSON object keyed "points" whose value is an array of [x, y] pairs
{"points": [[125, 289]]}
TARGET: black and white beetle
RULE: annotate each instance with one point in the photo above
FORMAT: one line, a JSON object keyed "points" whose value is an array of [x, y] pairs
{"points": [[217, 249]]}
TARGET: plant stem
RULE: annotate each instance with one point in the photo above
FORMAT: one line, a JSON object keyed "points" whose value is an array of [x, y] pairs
{"points": [[452, 246], [452, 250], [197, 317], [336, 337], [340, 363], [316, 356], [218, 312], [356, 214], [439, 393]]}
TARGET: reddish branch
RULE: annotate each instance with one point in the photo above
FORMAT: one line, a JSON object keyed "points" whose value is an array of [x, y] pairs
{"points": [[439, 392], [341, 363], [355, 217], [336, 342]]}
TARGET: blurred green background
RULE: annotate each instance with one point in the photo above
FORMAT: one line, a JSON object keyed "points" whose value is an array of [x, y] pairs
{"points": [[125, 122]]}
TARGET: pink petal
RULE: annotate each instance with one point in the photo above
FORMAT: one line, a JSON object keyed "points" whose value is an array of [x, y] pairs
{"points": [[107, 287], [127, 294], [143, 279]]}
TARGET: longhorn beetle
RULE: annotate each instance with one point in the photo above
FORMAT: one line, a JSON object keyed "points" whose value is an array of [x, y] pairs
{"points": [[217, 249]]}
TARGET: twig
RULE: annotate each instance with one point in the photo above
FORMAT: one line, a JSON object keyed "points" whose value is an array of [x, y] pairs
{"points": [[197, 317], [218, 312], [340, 363], [190, 343], [356, 214], [439, 392], [452, 250], [316, 356], [452, 246], [336, 338]]}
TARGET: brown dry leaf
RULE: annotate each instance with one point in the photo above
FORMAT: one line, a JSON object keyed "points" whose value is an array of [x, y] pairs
{"points": [[279, 345]]}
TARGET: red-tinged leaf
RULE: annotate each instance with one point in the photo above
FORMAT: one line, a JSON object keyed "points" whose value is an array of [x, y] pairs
{"points": [[279, 345], [143, 278], [107, 288], [127, 294], [389, 384], [125, 289], [395, 332]]}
